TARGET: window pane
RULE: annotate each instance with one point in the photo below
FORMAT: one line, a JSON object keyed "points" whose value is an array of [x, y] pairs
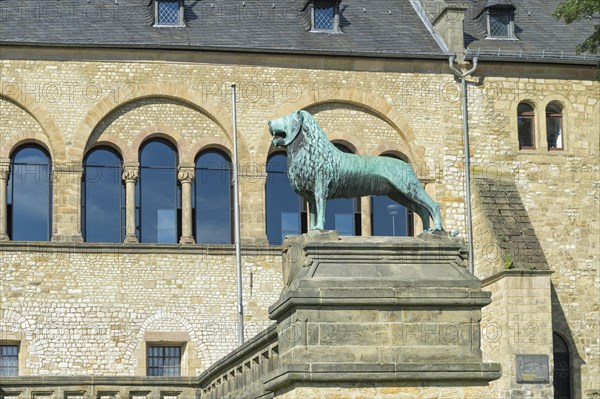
{"points": [[323, 16], [29, 194], [290, 224], [164, 361], [158, 193], [525, 125], [280, 198], [388, 217], [499, 23], [9, 360], [554, 126], [213, 198], [103, 197], [168, 12], [339, 216]]}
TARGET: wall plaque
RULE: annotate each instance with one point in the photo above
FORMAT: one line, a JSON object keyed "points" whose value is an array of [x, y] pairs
{"points": [[533, 369]]}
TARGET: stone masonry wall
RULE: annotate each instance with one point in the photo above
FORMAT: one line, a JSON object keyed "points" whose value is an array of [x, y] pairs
{"points": [[69, 102], [84, 312]]}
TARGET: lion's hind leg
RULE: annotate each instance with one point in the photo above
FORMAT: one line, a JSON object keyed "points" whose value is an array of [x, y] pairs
{"points": [[413, 206], [420, 202]]}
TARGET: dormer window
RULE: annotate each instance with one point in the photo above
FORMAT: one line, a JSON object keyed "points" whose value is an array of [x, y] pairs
{"points": [[325, 16], [500, 23], [168, 13]]}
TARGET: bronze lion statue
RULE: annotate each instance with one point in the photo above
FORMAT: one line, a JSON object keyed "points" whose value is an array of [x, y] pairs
{"points": [[318, 171]]}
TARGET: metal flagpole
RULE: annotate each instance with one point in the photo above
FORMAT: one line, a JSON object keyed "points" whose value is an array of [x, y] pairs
{"points": [[236, 212]]}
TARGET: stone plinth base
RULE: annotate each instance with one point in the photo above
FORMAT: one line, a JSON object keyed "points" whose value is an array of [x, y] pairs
{"points": [[368, 309]]}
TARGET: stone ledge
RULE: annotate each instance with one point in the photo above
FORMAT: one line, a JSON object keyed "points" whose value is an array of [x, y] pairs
{"points": [[347, 297], [65, 381], [514, 273], [137, 248], [475, 373]]}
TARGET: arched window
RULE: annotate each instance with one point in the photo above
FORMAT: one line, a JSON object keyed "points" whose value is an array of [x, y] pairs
{"points": [[389, 218], [285, 210], [554, 127], [526, 126], [158, 193], [562, 368], [212, 198], [30, 194], [103, 193], [343, 214]]}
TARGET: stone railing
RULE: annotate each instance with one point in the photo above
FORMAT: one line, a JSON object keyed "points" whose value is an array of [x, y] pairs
{"points": [[240, 374]]}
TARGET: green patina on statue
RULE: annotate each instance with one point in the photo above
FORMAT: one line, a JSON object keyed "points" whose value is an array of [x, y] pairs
{"points": [[318, 171]]}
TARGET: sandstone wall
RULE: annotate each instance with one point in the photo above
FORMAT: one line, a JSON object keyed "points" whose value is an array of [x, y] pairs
{"points": [[70, 100]]}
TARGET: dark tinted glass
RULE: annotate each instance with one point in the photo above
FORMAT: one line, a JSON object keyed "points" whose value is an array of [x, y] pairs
{"points": [[158, 193], [213, 198], [525, 125], [9, 360], [29, 194], [283, 205], [164, 361], [103, 193], [388, 217]]}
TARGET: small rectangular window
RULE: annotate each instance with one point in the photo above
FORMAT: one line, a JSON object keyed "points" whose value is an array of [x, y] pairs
{"points": [[324, 16], [500, 24], [168, 13], [164, 361], [9, 360]]}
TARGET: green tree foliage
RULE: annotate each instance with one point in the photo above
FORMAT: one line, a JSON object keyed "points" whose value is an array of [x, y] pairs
{"points": [[575, 10]]}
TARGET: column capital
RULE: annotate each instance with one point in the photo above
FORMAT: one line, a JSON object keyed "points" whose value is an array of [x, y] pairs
{"points": [[4, 170], [186, 174], [131, 173]]}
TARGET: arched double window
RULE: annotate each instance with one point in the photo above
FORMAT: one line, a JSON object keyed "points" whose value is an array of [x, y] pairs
{"points": [[343, 214], [158, 199], [526, 126], [286, 214], [389, 218], [211, 200], [554, 127], [30, 194], [103, 193]]}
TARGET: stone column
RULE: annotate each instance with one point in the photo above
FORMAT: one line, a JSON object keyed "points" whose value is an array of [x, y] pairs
{"points": [[186, 176], [4, 171], [365, 210], [130, 176], [66, 203]]}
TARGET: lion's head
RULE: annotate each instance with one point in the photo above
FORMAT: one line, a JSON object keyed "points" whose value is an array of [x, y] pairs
{"points": [[285, 129]]}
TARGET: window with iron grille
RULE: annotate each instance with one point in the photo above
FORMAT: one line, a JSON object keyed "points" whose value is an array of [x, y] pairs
{"points": [[325, 16], [164, 361], [169, 13], [9, 360], [500, 24]]}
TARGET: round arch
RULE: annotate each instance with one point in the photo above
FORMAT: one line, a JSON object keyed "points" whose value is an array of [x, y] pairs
{"points": [[156, 132], [367, 101], [53, 137], [161, 90]]}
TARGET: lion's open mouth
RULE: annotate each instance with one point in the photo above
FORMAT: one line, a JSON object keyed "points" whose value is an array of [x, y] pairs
{"points": [[280, 134]]}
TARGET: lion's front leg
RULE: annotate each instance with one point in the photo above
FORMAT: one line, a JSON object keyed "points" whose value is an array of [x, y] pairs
{"points": [[312, 208], [321, 202]]}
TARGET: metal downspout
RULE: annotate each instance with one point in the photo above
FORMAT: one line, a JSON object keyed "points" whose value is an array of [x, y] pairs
{"points": [[465, 115], [236, 207]]}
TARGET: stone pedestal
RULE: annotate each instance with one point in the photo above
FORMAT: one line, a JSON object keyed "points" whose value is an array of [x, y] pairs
{"points": [[400, 310]]}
